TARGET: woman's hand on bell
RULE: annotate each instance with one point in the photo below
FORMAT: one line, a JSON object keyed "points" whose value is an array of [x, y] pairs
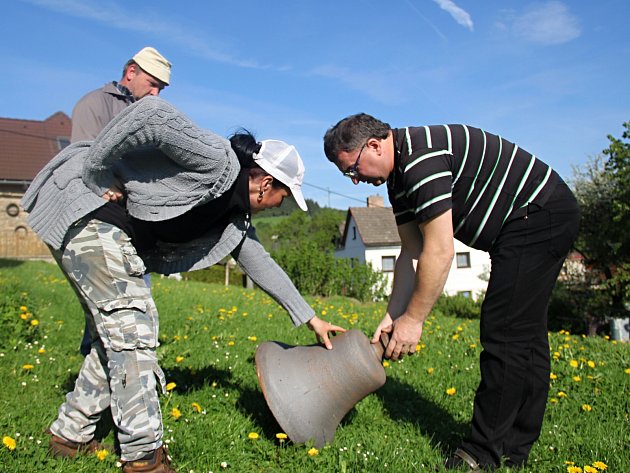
{"points": [[321, 329]]}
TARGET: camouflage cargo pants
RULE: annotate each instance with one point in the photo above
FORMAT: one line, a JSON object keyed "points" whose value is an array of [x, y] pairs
{"points": [[121, 370]]}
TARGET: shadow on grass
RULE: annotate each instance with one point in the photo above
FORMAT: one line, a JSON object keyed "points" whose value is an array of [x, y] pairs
{"points": [[251, 402], [10, 263], [405, 404]]}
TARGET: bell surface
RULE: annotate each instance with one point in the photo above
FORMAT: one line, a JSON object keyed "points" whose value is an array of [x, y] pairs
{"points": [[309, 389]]}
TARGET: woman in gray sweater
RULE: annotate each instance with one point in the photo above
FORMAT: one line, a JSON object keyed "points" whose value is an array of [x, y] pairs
{"points": [[152, 193]]}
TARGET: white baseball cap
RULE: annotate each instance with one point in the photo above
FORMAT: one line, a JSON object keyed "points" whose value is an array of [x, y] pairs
{"points": [[152, 62], [283, 162]]}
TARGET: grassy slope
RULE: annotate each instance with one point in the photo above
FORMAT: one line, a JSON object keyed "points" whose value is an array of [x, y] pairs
{"points": [[209, 335]]}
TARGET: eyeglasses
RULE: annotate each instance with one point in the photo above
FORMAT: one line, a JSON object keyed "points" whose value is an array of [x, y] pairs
{"points": [[352, 172]]}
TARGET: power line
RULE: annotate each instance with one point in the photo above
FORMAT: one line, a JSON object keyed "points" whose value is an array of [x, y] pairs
{"points": [[333, 192]]}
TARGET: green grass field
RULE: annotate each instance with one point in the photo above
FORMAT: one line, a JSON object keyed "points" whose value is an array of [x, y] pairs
{"points": [[216, 419]]}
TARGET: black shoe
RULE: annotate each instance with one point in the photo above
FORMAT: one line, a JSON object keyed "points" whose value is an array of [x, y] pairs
{"points": [[461, 459]]}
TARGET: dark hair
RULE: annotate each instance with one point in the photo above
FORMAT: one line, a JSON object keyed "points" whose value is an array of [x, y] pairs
{"points": [[352, 132], [126, 66], [244, 144]]}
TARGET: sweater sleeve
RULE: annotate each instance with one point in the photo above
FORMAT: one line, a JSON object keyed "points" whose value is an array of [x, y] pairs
{"points": [[270, 277], [153, 122]]}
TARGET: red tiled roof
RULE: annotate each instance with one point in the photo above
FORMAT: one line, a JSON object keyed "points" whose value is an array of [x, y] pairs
{"points": [[27, 145]]}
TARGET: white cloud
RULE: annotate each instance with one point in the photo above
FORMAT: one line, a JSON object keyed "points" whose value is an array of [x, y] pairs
{"points": [[460, 15], [547, 23]]}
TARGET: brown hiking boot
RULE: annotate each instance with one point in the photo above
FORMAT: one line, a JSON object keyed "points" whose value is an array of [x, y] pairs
{"points": [[60, 447], [156, 462]]}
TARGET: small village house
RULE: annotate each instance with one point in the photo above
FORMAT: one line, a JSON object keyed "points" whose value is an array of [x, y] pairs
{"points": [[370, 236], [25, 147]]}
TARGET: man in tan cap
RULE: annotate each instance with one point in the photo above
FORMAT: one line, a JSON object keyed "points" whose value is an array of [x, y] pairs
{"points": [[146, 73]]}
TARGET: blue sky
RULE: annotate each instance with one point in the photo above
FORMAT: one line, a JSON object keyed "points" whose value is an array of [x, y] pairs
{"points": [[552, 76]]}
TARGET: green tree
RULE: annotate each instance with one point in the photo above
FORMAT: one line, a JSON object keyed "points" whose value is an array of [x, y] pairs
{"points": [[600, 289], [618, 170]]}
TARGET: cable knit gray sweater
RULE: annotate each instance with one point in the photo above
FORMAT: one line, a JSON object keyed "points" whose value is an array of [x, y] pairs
{"points": [[166, 165]]}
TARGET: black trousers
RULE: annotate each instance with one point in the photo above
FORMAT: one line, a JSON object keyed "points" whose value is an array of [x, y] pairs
{"points": [[512, 395]]}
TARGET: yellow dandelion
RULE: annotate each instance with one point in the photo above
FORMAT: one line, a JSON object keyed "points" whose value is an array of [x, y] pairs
{"points": [[430, 370], [455, 336], [102, 454], [473, 345], [176, 413], [600, 465], [231, 343], [586, 408], [451, 391], [385, 363], [627, 371], [281, 436], [179, 359], [252, 338], [170, 386], [574, 469], [573, 363], [23, 308], [27, 367], [591, 364], [324, 312], [589, 469], [41, 351], [196, 406], [562, 394], [553, 376], [312, 452], [553, 400], [34, 322], [252, 436], [23, 316], [9, 442], [577, 379]]}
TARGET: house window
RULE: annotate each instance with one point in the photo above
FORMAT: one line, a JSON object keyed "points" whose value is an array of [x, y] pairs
{"points": [[467, 294], [62, 142], [13, 210], [21, 232], [463, 260], [388, 263], [354, 233]]}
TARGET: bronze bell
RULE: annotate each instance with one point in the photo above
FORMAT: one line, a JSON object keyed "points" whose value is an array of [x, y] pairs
{"points": [[309, 389]]}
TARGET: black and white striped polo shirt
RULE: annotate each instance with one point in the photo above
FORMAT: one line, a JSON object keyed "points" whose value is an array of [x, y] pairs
{"points": [[482, 177]]}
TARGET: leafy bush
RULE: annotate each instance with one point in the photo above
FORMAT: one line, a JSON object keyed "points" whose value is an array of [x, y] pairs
{"points": [[318, 272], [458, 306]]}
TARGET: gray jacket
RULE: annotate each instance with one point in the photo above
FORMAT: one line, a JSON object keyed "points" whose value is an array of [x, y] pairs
{"points": [[95, 110], [166, 165]]}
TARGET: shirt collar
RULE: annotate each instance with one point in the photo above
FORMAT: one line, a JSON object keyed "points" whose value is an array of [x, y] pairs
{"points": [[124, 91]]}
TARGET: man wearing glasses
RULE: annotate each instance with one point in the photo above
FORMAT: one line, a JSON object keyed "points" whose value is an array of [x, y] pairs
{"points": [[457, 181]]}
